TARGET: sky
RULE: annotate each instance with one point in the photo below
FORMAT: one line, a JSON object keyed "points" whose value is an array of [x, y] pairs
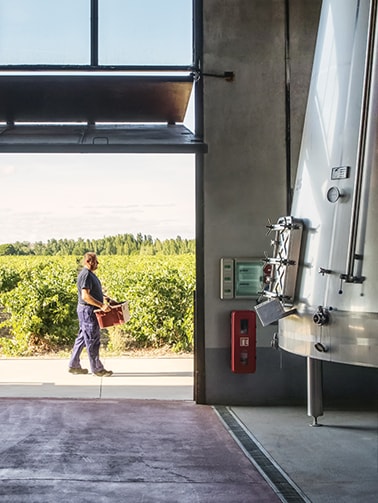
{"points": [[45, 196], [95, 195]]}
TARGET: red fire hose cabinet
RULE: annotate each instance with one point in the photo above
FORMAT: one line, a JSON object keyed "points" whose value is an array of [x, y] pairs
{"points": [[243, 342]]}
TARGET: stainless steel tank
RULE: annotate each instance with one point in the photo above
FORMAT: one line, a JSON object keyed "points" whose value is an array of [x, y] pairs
{"points": [[335, 201]]}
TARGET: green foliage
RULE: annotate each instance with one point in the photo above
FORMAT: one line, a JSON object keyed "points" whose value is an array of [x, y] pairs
{"points": [[41, 307], [159, 291], [9, 278], [122, 244], [7, 249], [38, 297], [15, 249]]}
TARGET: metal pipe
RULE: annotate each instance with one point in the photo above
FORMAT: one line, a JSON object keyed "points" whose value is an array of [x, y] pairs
{"points": [[288, 108], [199, 317], [314, 389], [349, 276], [199, 324]]}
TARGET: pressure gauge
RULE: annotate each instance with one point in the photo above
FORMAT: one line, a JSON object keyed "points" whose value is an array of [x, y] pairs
{"points": [[333, 194]]}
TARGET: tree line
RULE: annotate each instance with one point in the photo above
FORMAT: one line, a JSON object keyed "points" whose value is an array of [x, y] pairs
{"points": [[121, 244]]}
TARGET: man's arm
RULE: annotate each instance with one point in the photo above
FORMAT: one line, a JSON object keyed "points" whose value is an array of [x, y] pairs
{"points": [[87, 297]]}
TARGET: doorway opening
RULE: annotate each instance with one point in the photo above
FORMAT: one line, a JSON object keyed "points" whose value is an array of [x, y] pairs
{"points": [[59, 204], [97, 88]]}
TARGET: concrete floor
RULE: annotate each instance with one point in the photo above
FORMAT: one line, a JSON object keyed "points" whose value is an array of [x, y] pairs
{"points": [[137, 436], [121, 451], [336, 462]]}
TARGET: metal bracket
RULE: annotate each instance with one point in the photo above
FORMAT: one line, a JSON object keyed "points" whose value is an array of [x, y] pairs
{"points": [[285, 261], [228, 76]]}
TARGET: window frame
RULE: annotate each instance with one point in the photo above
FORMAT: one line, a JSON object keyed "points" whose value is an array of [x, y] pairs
{"points": [[94, 65]]}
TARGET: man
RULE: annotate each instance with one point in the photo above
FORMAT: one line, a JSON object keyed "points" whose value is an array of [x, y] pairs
{"points": [[90, 297]]}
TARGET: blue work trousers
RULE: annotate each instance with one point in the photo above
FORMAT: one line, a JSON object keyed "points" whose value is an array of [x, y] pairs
{"points": [[89, 337]]}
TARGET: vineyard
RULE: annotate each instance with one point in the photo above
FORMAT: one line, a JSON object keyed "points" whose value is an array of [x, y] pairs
{"points": [[38, 298]]}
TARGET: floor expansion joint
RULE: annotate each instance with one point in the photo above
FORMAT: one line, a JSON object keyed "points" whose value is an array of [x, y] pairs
{"points": [[273, 474]]}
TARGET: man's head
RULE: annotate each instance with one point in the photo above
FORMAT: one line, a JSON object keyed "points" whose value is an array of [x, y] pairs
{"points": [[90, 261]]}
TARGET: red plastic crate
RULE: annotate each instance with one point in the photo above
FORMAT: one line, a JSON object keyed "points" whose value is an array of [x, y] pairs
{"points": [[118, 315]]}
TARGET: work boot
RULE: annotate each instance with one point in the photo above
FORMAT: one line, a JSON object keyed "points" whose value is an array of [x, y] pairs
{"points": [[103, 373], [77, 370]]}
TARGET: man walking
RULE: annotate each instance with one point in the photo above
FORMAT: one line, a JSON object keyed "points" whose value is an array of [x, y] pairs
{"points": [[90, 297]]}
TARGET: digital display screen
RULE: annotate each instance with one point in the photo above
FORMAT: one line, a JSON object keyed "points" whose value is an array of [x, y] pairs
{"points": [[248, 278]]}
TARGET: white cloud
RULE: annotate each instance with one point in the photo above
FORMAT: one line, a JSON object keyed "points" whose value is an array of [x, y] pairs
{"points": [[93, 196]]}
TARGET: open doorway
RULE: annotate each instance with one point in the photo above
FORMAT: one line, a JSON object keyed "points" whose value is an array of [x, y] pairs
{"points": [[65, 198], [99, 68]]}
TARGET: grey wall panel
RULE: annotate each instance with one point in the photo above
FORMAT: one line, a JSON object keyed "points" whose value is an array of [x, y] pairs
{"points": [[244, 128], [280, 379], [244, 173]]}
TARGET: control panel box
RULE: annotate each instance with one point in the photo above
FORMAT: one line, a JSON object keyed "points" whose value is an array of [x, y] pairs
{"points": [[241, 278]]}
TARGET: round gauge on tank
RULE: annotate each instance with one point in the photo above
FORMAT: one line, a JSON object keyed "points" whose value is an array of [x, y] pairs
{"points": [[333, 194]]}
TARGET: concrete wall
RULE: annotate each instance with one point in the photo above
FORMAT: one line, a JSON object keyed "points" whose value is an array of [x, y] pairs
{"points": [[245, 172]]}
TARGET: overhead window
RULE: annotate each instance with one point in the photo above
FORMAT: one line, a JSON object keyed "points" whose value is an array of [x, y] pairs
{"points": [[97, 75], [96, 32], [45, 32], [145, 32]]}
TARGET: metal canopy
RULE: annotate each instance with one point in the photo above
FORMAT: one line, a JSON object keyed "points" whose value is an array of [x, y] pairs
{"points": [[115, 138], [141, 113]]}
